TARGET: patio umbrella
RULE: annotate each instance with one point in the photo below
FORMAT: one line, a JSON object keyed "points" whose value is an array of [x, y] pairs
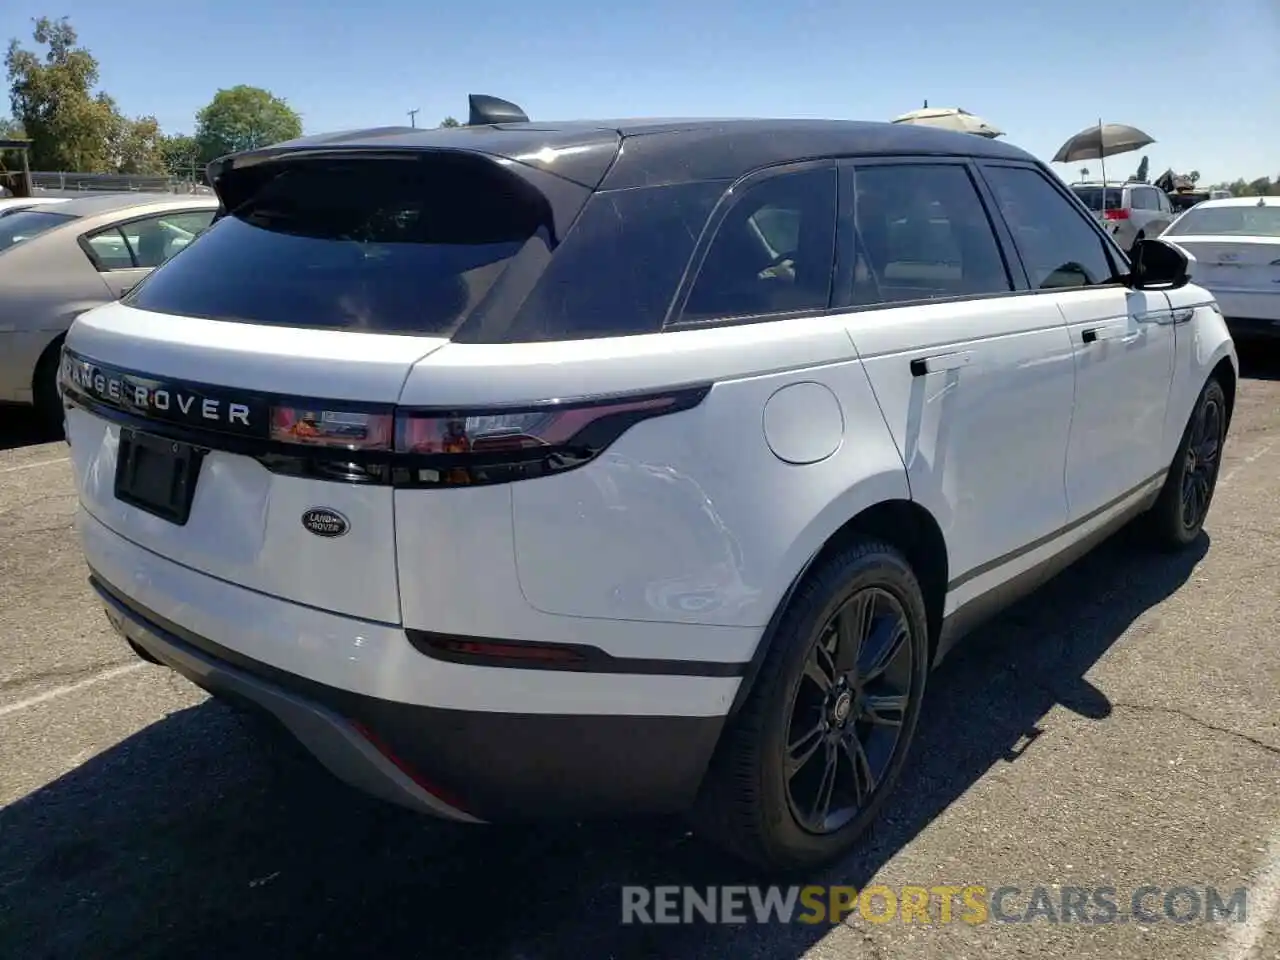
{"points": [[951, 118], [1104, 140]]}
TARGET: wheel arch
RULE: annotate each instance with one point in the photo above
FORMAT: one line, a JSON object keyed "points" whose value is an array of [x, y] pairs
{"points": [[1225, 373], [900, 522], [47, 352]]}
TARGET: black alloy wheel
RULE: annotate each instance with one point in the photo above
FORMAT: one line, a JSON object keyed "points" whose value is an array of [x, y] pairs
{"points": [[1179, 513], [805, 766], [848, 710], [1200, 467]]}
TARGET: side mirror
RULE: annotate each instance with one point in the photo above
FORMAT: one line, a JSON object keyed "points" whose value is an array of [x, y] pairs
{"points": [[1158, 264]]}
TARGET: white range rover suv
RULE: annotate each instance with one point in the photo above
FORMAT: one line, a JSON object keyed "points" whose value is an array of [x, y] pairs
{"points": [[596, 468]]}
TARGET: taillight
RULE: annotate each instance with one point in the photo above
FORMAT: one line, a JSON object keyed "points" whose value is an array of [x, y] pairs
{"points": [[333, 428], [369, 442], [467, 447], [1119, 213]]}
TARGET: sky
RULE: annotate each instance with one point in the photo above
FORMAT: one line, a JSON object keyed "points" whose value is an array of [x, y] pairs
{"points": [[1204, 83]]}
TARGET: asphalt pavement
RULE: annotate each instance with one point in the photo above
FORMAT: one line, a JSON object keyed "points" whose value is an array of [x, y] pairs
{"points": [[1119, 729]]}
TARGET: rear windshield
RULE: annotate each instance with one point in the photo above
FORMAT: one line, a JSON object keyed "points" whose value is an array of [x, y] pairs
{"points": [[1092, 197], [24, 224], [390, 246], [1233, 221]]}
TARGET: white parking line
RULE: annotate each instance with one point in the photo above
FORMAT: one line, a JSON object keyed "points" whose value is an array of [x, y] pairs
{"points": [[1261, 906], [32, 466], [70, 688], [1252, 458]]}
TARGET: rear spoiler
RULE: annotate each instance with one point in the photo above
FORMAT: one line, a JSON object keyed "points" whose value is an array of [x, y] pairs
{"points": [[485, 110]]}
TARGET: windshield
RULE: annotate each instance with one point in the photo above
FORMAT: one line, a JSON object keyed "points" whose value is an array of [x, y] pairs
{"points": [[24, 224], [1233, 221], [1091, 197]]}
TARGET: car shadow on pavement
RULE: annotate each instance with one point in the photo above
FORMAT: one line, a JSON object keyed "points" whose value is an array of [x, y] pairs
{"points": [[19, 427], [1259, 361], [200, 836]]}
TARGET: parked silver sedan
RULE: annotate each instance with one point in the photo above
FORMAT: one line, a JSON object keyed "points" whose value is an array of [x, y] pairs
{"points": [[57, 261]]}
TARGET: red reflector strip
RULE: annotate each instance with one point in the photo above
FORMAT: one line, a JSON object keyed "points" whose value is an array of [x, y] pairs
{"points": [[512, 651], [1121, 214], [378, 744]]}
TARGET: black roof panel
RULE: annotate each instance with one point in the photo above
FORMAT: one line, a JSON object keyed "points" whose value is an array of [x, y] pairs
{"points": [[670, 151], [654, 151]]}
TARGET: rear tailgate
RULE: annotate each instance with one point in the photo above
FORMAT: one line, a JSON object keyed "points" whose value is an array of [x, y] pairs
{"points": [[168, 374], [265, 362]]}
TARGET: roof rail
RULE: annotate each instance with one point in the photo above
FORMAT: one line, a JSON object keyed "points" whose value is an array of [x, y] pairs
{"points": [[487, 110]]}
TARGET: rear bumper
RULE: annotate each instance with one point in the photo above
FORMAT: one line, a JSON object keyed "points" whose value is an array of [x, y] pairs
{"points": [[550, 754], [333, 739]]}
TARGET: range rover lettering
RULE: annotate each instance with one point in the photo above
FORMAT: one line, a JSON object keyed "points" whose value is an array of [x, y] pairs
{"points": [[670, 456]]}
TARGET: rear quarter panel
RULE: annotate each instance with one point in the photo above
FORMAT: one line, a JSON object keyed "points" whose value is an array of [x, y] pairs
{"points": [[689, 518], [1201, 343]]}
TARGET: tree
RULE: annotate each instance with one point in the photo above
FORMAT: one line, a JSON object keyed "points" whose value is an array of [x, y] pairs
{"points": [[449, 122], [1194, 176], [1141, 175], [244, 118], [180, 155], [51, 96], [133, 146], [11, 129], [1260, 187]]}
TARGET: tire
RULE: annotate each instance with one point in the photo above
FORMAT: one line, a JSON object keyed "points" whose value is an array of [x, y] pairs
{"points": [[44, 389], [1178, 515], [749, 805]]}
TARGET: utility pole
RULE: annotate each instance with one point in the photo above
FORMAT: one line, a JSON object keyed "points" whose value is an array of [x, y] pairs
{"points": [[413, 117]]}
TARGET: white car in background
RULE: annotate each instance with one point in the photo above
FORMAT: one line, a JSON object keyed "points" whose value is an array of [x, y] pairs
{"points": [[1236, 246]]}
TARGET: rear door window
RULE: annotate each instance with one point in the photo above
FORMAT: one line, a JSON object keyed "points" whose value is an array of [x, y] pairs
{"points": [[154, 240], [773, 251], [394, 246], [110, 250], [1145, 198], [920, 232], [1058, 245], [147, 241]]}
